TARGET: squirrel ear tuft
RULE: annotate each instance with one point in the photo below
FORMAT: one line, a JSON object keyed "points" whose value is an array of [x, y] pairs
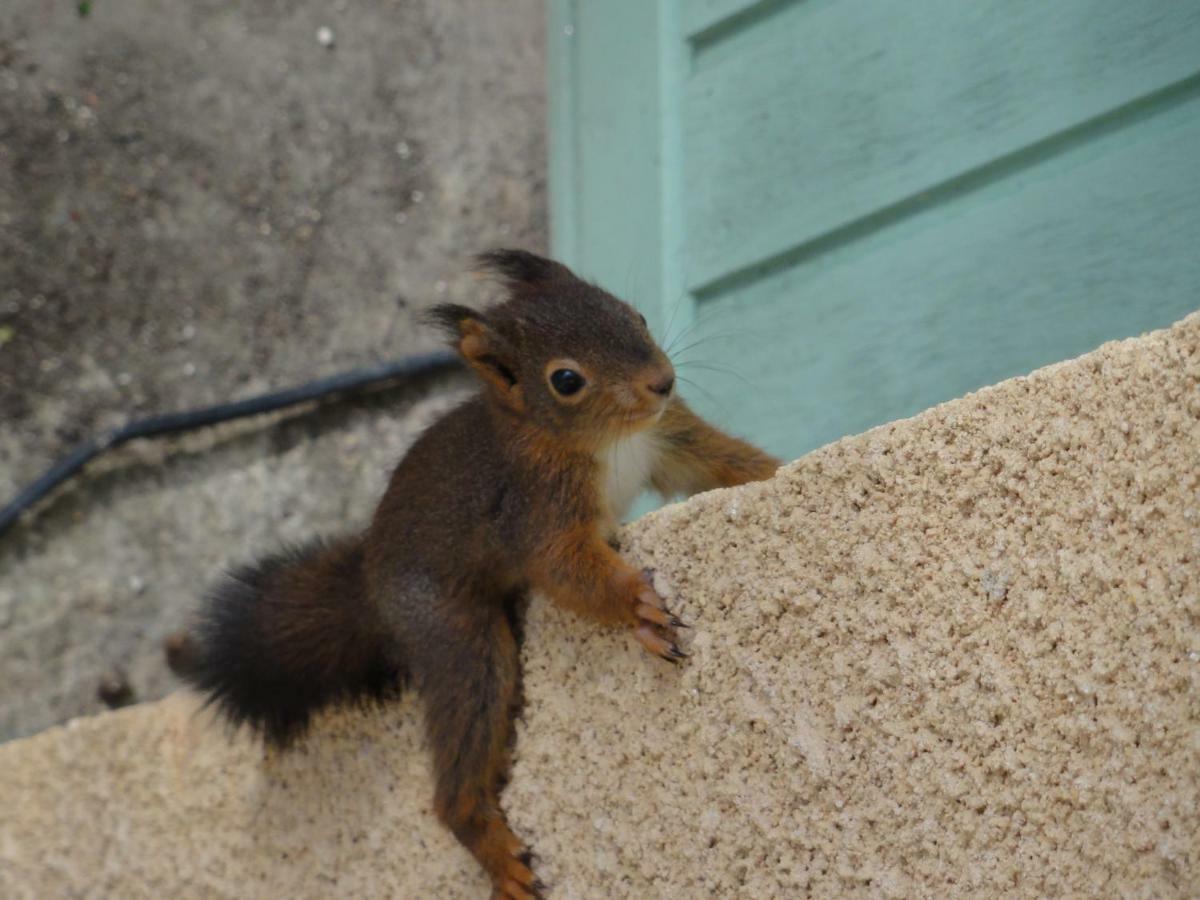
{"points": [[451, 318], [485, 351], [520, 267]]}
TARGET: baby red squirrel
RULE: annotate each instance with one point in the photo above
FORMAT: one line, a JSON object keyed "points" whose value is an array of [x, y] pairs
{"points": [[519, 489]]}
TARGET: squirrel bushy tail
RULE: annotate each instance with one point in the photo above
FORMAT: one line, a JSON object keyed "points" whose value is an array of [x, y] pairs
{"points": [[281, 638]]}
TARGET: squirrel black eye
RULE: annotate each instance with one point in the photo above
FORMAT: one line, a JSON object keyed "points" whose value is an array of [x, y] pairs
{"points": [[567, 381]]}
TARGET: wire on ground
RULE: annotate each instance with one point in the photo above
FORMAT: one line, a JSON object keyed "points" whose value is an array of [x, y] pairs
{"points": [[173, 423]]}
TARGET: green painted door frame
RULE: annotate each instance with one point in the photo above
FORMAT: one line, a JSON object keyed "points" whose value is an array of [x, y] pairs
{"points": [[844, 211]]}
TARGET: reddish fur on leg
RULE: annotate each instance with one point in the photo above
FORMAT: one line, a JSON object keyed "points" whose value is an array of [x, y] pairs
{"points": [[471, 755], [699, 457]]}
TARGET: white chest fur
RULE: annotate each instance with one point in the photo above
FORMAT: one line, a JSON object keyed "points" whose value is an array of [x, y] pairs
{"points": [[625, 468]]}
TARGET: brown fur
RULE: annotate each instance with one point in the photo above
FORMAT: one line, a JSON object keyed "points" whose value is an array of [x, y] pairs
{"points": [[699, 457], [500, 497]]}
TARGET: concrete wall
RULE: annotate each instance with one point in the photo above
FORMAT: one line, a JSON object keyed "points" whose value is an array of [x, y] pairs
{"points": [[200, 202], [956, 655]]}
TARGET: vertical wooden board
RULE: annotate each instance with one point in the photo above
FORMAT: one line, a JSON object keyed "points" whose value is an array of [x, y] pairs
{"points": [[1097, 243], [827, 111], [609, 227], [563, 176]]}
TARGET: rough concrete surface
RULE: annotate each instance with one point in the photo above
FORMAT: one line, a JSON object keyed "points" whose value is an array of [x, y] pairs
{"points": [[198, 202], [958, 655]]}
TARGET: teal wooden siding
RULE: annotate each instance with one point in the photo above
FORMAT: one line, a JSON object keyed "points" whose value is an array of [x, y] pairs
{"points": [[845, 211]]}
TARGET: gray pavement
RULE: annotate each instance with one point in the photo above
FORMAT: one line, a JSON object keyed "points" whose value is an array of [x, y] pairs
{"points": [[203, 201]]}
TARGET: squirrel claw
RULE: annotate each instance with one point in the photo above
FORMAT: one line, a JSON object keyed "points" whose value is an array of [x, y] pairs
{"points": [[651, 637], [520, 888], [648, 612], [652, 604], [510, 890]]}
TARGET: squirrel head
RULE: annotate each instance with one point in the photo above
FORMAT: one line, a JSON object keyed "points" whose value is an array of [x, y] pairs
{"points": [[560, 354]]}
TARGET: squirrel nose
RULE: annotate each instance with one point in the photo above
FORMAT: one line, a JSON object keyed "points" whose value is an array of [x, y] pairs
{"points": [[663, 386]]}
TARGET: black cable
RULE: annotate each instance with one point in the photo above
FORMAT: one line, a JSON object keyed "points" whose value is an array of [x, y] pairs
{"points": [[172, 423]]}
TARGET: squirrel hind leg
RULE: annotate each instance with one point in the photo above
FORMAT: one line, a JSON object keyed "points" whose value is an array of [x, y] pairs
{"points": [[183, 652], [471, 693]]}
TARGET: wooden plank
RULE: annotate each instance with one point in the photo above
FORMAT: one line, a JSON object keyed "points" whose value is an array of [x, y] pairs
{"points": [[828, 111], [1096, 243], [703, 17], [608, 218], [563, 175]]}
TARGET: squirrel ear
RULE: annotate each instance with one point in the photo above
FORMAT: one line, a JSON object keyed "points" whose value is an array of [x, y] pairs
{"points": [[450, 319], [481, 347], [520, 267]]}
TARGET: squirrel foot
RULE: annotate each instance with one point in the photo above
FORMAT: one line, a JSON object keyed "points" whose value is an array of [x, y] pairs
{"points": [[517, 881], [655, 625], [511, 862]]}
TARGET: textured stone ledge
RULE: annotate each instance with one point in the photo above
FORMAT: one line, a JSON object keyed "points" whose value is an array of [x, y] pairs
{"points": [[959, 654]]}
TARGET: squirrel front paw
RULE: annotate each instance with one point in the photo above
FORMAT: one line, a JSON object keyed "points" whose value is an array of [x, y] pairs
{"points": [[654, 625]]}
